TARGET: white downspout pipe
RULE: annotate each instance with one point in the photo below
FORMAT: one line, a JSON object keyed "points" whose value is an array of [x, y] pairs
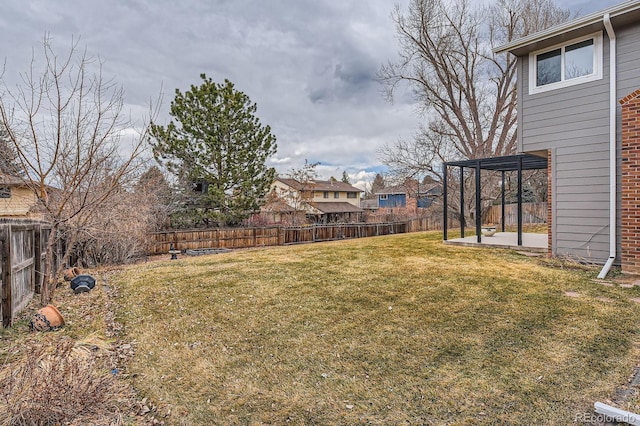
{"points": [[612, 146]]}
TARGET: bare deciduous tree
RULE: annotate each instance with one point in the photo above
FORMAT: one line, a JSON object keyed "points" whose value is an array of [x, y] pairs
{"points": [[73, 142], [466, 93], [8, 156]]}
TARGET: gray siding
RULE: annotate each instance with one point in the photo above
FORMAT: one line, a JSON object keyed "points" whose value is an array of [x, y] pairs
{"points": [[574, 122]]}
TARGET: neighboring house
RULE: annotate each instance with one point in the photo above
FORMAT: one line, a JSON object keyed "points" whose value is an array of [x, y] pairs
{"points": [[369, 205], [579, 106], [324, 201], [410, 194], [16, 199]]}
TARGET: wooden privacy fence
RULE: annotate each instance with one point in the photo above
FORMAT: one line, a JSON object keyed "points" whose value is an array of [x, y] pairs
{"points": [[161, 242], [22, 253], [531, 213]]}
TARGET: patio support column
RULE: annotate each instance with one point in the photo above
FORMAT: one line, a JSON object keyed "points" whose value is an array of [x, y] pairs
{"points": [[462, 221], [519, 201], [502, 217], [444, 201], [478, 206]]}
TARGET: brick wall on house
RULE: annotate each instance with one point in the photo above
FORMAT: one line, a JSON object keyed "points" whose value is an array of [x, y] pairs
{"points": [[630, 212]]}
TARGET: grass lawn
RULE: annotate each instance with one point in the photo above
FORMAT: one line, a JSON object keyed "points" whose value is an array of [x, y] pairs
{"points": [[389, 330]]}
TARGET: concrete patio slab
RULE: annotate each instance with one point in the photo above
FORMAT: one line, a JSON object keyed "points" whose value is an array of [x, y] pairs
{"points": [[531, 242]]}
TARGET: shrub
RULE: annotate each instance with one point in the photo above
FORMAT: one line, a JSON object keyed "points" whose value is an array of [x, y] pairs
{"points": [[56, 383]]}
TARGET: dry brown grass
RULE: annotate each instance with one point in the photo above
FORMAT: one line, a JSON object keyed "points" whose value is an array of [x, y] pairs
{"points": [[388, 330], [55, 382], [70, 376]]}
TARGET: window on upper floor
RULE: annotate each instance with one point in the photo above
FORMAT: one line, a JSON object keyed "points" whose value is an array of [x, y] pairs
{"points": [[5, 192], [325, 194], [352, 195], [336, 194], [383, 197], [575, 62]]}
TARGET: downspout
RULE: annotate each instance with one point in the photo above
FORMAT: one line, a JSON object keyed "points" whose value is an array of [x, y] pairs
{"points": [[612, 146]]}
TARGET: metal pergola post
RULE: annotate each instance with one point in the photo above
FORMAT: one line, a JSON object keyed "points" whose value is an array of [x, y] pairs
{"points": [[462, 221], [518, 162], [503, 202], [444, 201], [519, 201], [478, 206]]}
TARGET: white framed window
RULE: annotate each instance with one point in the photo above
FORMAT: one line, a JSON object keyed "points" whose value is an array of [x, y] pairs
{"points": [[383, 196], [336, 194], [5, 192], [574, 62]]}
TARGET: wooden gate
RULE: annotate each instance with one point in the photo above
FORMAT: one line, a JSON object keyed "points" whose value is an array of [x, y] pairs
{"points": [[22, 253]]}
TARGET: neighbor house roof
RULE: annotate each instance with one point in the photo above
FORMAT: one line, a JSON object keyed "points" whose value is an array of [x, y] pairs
{"points": [[8, 180], [335, 207], [278, 206], [402, 189], [620, 14], [319, 185], [392, 190], [369, 204]]}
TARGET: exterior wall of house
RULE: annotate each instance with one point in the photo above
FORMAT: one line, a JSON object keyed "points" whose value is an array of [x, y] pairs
{"points": [[628, 81], [292, 197], [550, 221], [393, 200], [286, 193], [318, 197], [630, 211], [19, 204], [572, 122]]}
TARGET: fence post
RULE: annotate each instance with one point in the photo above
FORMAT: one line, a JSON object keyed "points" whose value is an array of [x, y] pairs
{"points": [[37, 257], [5, 293]]}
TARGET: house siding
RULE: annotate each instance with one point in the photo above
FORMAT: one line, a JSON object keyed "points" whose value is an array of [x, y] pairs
{"points": [[19, 204], [574, 122], [393, 200]]}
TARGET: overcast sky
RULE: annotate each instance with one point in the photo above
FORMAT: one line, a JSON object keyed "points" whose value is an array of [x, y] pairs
{"points": [[310, 65]]}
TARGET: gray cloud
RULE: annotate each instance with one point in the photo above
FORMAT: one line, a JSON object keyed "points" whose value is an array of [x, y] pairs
{"points": [[310, 65]]}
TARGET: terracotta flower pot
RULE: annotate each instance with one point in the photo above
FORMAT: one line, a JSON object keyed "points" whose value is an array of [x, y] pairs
{"points": [[47, 318], [70, 273]]}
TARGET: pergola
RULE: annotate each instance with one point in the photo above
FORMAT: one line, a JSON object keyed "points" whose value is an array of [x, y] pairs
{"points": [[509, 163]]}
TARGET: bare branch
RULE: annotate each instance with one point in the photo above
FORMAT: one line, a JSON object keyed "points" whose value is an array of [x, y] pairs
{"points": [[66, 125]]}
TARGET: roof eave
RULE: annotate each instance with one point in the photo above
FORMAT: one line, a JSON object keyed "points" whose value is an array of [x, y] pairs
{"points": [[574, 25]]}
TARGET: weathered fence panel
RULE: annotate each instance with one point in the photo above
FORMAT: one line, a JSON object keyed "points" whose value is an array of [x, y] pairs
{"points": [[22, 254], [22, 266], [161, 242], [531, 213], [5, 277]]}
